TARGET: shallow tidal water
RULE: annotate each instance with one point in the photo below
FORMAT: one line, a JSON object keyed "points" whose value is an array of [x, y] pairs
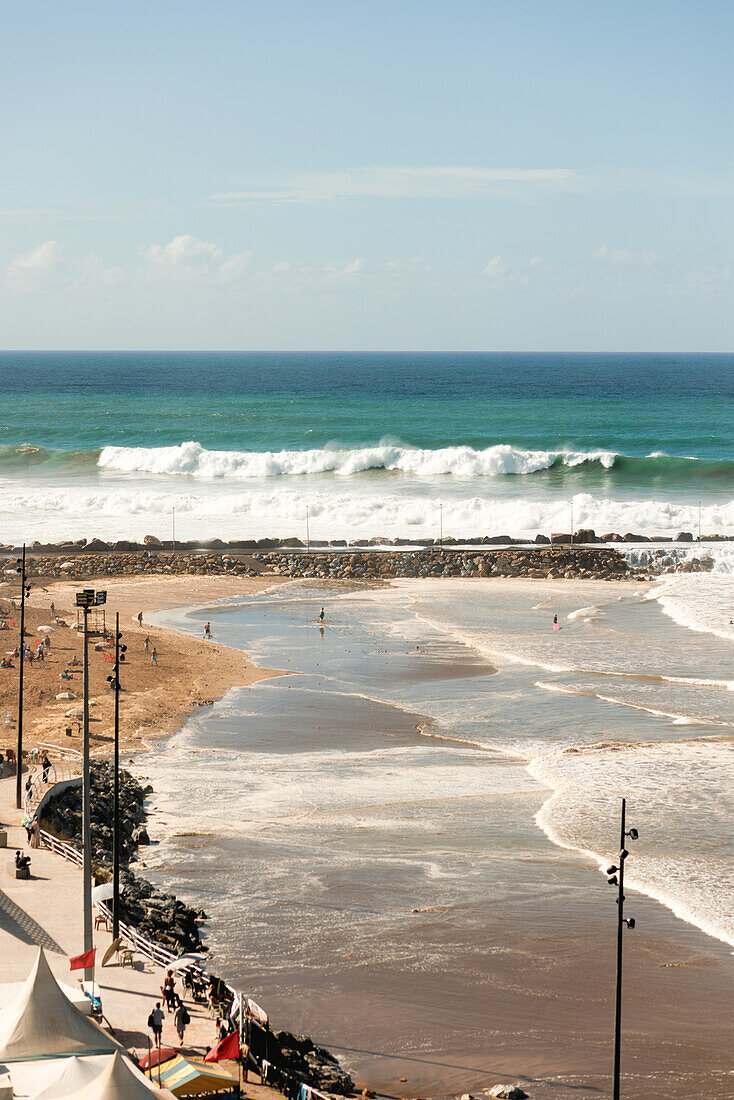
{"points": [[391, 835]]}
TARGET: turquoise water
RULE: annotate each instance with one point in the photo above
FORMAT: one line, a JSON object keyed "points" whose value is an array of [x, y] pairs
{"points": [[372, 443]]}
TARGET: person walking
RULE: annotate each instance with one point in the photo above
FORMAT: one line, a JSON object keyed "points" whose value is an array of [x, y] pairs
{"points": [[146, 643], [154, 656], [155, 1023], [208, 632], [35, 833], [181, 1019], [140, 619], [46, 767], [53, 610]]}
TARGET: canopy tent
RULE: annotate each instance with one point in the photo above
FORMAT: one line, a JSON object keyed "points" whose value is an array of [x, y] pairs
{"points": [[57, 1077], [77, 996], [40, 1022], [184, 1077], [121, 1080]]}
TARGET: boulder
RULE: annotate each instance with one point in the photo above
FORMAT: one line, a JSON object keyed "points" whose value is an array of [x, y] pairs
{"points": [[559, 539], [684, 536], [508, 1092], [542, 540], [140, 835], [97, 544], [585, 534], [153, 540]]}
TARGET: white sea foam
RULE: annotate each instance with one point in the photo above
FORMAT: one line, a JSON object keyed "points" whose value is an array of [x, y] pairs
{"points": [[671, 781], [193, 460]]}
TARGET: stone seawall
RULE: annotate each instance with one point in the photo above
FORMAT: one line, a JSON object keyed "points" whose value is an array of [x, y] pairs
{"points": [[547, 561]]}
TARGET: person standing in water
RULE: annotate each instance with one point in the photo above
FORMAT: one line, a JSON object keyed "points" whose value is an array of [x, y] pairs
{"points": [[208, 632], [321, 615]]}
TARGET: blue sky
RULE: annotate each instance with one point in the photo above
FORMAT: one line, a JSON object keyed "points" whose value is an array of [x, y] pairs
{"points": [[469, 175]]}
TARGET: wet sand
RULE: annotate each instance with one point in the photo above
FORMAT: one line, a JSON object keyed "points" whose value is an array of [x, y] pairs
{"points": [[405, 977]]}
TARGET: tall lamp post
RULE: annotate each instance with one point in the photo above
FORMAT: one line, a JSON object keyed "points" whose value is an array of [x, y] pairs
{"points": [[616, 878], [87, 599], [114, 682], [24, 591]]}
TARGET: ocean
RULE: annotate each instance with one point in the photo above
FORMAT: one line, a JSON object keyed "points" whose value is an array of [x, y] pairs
{"points": [[240, 445]]}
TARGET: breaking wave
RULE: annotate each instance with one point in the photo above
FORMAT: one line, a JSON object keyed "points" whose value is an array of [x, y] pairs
{"points": [[191, 459]]}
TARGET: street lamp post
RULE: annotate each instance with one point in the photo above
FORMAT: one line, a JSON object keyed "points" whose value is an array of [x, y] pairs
{"points": [[87, 599], [114, 681], [308, 533], [24, 590], [616, 878]]}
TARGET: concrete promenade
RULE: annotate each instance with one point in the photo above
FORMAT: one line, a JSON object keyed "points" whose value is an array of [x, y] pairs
{"points": [[46, 910]]}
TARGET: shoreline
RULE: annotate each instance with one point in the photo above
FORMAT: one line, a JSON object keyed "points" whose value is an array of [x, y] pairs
{"points": [[662, 930]]}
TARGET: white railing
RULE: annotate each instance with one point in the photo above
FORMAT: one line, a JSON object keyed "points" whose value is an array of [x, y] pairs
{"points": [[61, 848], [66, 753], [44, 779]]}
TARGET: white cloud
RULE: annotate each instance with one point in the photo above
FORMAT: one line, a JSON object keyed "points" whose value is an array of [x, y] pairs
{"points": [[443, 182], [353, 267], [623, 256], [495, 268], [186, 259], [31, 269]]}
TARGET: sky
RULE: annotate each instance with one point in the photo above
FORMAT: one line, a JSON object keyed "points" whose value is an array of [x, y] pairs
{"points": [[460, 175]]}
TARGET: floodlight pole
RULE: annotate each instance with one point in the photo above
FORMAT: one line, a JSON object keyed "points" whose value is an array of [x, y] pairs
{"points": [[308, 536], [86, 807], [19, 758], [116, 829], [618, 991], [86, 599]]}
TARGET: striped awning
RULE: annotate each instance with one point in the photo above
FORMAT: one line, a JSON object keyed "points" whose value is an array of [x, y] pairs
{"points": [[187, 1077]]}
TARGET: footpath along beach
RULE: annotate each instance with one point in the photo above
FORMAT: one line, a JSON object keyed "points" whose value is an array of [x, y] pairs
{"points": [[540, 961]]}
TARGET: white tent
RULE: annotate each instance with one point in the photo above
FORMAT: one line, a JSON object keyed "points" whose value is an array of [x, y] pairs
{"points": [[40, 1022], [121, 1080], [55, 1076], [77, 996], [74, 1074]]}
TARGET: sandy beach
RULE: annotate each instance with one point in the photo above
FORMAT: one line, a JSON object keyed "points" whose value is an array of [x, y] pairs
{"points": [[155, 698]]}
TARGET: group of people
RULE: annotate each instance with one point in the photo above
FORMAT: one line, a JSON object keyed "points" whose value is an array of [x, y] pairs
{"points": [[174, 1005]]}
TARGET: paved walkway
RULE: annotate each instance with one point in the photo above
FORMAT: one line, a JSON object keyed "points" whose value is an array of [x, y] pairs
{"points": [[47, 910]]}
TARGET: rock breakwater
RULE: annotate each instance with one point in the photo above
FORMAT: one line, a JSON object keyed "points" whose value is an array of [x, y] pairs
{"points": [[158, 916]]}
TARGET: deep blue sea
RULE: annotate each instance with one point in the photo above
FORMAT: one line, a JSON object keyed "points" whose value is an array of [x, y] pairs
{"points": [[239, 444]]}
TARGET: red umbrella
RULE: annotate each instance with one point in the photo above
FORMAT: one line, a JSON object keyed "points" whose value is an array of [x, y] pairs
{"points": [[156, 1056]]}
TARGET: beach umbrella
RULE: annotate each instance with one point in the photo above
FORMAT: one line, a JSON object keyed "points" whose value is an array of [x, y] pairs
{"points": [[185, 1076], [157, 1057], [194, 958]]}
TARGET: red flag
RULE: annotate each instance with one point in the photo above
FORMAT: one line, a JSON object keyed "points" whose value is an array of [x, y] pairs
{"points": [[81, 962], [227, 1049]]}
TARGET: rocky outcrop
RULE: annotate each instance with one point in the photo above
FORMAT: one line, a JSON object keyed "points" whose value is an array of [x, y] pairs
{"points": [[312, 1063], [159, 916]]}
